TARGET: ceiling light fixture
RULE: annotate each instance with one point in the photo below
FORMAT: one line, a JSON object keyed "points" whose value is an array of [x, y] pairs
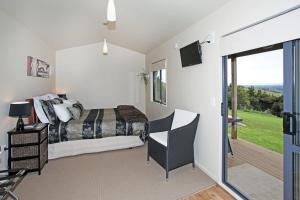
{"points": [[105, 48], [111, 11]]}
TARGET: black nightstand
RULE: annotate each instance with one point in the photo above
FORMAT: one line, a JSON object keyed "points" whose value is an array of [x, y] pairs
{"points": [[28, 149]]}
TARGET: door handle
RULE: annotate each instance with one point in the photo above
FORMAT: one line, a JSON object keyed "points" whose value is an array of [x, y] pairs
{"points": [[289, 123]]}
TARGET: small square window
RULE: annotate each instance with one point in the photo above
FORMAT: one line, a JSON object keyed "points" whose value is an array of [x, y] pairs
{"points": [[160, 86]]}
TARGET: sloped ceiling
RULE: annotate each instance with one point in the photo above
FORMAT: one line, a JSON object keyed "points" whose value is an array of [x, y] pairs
{"points": [[142, 24]]}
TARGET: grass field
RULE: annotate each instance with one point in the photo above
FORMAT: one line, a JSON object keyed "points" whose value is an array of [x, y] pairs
{"points": [[262, 129]]}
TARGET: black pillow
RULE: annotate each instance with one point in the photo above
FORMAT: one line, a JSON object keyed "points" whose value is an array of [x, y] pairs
{"points": [[79, 106]]}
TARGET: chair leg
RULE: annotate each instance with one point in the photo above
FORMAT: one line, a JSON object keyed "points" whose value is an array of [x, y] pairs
{"points": [[193, 164], [148, 157], [12, 195], [229, 147], [167, 175]]}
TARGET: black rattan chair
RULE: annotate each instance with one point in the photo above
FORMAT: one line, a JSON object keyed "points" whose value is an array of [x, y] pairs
{"points": [[9, 179], [171, 140]]}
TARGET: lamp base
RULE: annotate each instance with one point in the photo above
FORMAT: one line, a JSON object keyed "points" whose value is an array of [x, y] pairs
{"points": [[20, 124]]}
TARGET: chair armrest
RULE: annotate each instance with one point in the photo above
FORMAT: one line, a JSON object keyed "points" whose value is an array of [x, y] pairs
{"points": [[12, 170], [18, 173], [161, 124]]}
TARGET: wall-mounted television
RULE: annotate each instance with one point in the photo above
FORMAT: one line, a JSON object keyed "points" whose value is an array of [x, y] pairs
{"points": [[191, 54]]}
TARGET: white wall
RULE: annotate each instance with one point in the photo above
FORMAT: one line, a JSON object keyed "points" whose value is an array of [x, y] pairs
{"points": [[16, 43], [199, 88], [101, 81]]}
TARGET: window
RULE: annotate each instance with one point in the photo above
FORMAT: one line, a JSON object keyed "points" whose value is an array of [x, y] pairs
{"points": [[160, 86]]}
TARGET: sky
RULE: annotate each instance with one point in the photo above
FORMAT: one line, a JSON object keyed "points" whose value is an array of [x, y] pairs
{"points": [[259, 69]]}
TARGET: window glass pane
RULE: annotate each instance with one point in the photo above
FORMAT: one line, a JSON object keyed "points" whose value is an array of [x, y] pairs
{"points": [[164, 86], [297, 93], [156, 86], [296, 171]]}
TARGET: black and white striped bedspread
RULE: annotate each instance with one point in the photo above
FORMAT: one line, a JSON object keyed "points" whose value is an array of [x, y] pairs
{"points": [[98, 123]]}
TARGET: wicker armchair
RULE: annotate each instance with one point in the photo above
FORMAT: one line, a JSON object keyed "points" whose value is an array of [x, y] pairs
{"points": [[171, 140]]}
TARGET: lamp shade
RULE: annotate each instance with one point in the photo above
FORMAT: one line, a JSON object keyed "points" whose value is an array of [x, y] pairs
{"points": [[20, 109]]}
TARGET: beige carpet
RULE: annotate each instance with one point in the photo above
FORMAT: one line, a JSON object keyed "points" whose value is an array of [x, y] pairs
{"points": [[111, 175], [255, 183]]}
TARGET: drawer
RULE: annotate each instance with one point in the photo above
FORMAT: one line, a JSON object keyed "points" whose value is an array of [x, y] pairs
{"points": [[27, 164], [24, 138], [20, 152]]}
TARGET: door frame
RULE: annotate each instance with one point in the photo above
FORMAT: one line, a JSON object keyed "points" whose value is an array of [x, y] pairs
{"points": [[224, 113], [224, 109], [289, 97]]}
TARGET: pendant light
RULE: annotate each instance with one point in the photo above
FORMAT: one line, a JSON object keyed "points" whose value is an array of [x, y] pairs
{"points": [[111, 11], [105, 48]]}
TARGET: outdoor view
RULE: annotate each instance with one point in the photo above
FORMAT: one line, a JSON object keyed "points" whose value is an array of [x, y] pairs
{"points": [[160, 86], [255, 105], [260, 99]]}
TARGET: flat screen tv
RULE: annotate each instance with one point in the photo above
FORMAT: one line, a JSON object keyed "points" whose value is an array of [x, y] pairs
{"points": [[191, 54]]}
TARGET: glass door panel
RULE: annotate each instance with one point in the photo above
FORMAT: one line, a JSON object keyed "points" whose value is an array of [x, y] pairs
{"points": [[296, 137], [296, 174], [292, 120]]}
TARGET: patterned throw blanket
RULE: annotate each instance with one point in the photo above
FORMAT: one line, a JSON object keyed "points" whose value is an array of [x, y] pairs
{"points": [[100, 123]]}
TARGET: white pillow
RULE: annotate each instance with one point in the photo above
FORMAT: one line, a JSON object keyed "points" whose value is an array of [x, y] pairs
{"points": [[182, 118], [70, 102], [62, 112], [39, 109]]}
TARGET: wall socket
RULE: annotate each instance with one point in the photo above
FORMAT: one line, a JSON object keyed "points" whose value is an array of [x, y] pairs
{"points": [[211, 37]]}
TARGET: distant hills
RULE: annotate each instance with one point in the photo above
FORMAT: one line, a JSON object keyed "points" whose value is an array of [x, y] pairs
{"points": [[268, 88]]}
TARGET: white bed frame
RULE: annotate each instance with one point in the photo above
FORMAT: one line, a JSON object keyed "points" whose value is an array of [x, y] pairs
{"points": [[78, 147]]}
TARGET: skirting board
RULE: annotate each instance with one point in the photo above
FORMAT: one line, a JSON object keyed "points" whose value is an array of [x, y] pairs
{"points": [[217, 180]]}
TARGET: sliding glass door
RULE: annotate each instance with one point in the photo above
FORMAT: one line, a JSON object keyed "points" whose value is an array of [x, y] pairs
{"points": [[292, 120], [243, 164]]}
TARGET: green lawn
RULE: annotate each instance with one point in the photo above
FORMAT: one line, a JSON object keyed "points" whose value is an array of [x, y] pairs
{"points": [[262, 129]]}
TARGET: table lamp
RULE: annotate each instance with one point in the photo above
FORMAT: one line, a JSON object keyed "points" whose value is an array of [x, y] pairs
{"points": [[20, 110]]}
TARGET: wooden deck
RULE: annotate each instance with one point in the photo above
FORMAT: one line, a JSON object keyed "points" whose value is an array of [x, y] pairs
{"points": [[264, 159], [213, 193]]}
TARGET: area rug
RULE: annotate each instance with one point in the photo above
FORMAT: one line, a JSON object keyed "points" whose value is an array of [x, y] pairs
{"points": [[114, 175], [255, 183]]}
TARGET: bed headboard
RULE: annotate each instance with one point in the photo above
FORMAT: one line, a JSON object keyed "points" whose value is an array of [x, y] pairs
{"points": [[33, 118]]}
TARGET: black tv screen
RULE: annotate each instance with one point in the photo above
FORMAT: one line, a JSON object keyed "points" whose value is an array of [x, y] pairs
{"points": [[191, 54]]}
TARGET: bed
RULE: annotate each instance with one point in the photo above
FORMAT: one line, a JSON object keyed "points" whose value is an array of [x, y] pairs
{"points": [[97, 130]]}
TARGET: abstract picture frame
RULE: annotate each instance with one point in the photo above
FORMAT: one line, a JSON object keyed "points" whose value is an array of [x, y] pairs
{"points": [[37, 68]]}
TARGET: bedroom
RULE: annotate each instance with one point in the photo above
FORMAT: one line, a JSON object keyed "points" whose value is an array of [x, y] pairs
{"points": [[69, 36]]}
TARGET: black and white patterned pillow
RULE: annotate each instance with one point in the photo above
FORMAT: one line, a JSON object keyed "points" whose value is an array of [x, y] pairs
{"points": [[49, 110], [79, 106], [57, 101], [75, 112]]}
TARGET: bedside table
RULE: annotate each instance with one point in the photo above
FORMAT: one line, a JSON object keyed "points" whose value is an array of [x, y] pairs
{"points": [[28, 149]]}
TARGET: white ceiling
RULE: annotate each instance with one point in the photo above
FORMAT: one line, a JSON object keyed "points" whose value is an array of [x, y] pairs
{"points": [[142, 24]]}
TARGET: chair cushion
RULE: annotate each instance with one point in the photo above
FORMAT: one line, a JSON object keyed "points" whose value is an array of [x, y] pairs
{"points": [[182, 118], [161, 137]]}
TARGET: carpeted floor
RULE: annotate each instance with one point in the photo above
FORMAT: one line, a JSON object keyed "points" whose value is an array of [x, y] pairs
{"points": [[255, 183], [111, 175]]}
